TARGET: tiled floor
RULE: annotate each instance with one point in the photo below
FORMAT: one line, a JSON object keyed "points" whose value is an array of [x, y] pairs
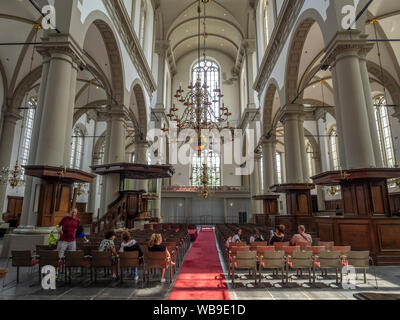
{"points": [[388, 279]]}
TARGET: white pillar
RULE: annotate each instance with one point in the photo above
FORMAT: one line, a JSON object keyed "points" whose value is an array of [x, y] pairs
{"points": [[356, 134], [6, 146], [116, 152], [370, 106], [56, 109], [303, 157], [269, 163], [70, 119], [293, 153], [255, 187], [141, 158]]}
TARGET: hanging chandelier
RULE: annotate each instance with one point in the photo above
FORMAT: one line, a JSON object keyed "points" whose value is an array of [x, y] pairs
{"points": [[203, 108]]}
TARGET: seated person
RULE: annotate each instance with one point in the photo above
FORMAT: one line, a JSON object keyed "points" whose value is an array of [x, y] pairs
{"points": [[301, 238], [129, 245], [80, 234], [108, 245], [156, 246], [236, 237], [256, 237], [229, 240], [279, 235]]}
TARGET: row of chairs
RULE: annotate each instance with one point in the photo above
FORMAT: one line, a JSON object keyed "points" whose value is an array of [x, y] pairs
{"points": [[97, 260], [279, 259]]}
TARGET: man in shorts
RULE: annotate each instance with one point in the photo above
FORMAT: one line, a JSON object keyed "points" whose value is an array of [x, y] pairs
{"points": [[67, 229]]}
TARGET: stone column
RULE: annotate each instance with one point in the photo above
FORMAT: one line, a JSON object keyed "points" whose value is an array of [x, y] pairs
{"points": [[161, 47], [356, 134], [293, 153], [116, 151], [56, 109], [93, 188], [269, 163], [103, 199], [70, 119], [303, 157], [250, 48], [320, 189], [6, 146], [255, 186], [141, 158], [370, 105]]}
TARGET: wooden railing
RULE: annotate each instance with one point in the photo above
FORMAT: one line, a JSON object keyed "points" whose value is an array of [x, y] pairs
{"points": [[116, 213]]}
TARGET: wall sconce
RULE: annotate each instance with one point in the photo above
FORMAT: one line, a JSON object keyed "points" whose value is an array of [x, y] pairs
{"points": [[231, 204]]}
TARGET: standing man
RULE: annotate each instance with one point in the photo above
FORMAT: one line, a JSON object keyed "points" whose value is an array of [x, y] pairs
{"points": [[67, 229]]}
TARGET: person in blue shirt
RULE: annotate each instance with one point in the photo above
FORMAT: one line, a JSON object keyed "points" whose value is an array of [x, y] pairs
{"points": [[80, 234]]}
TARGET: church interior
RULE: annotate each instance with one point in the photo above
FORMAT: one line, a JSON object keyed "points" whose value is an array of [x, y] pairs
{"points": [[257, 142]]}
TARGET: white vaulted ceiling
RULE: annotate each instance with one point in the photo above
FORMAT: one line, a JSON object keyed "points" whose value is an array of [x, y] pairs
{"points": [[226, 25]]}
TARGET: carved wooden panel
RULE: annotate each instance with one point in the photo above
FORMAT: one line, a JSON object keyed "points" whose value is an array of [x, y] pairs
{"points": [[303, 204], [325, 231], [355, 235], [388, 237], [347, 198], [362, 200]]}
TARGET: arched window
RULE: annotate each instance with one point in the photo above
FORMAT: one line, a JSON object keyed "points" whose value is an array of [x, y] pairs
{"points": [[384, 131], [213, 161], [208, 71], [334, 149], [279, 167], [77, 149], [27, 130], [142, 26]]}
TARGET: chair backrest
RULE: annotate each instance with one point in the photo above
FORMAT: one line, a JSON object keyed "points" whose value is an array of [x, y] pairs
{"points": [[48, 258], [260, 249], [344, 250], [156, 259], [246, 259], [281, 244], [129, 259], [330, 259], [237, 244], [3, 273], [327, 244], [290, 249], [273, 259], [75, 258], [259, 243], [101, 259], [43, 247], [316, 249], [302, 259], [358, 259], [234, 250], [21, 258]]}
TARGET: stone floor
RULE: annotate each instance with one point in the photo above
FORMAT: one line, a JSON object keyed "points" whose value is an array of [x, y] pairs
{"points": [[388, 279]]}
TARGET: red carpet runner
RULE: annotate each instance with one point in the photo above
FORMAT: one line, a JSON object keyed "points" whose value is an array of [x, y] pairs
{"points": [[201, 276]]}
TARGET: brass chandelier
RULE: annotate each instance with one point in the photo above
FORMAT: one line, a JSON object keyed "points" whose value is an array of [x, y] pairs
{"points": [[203, 108]]}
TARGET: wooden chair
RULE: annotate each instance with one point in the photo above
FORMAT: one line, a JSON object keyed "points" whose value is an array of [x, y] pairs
{"points": [[344, 250], [157, 260], [48, 258], [173, 250], [232, 253], [22, 258], [245, 260], [330, 260], [129, 260], [327, 244], [260, 250], [259, 243], [75, 259], [101, 259], [289, 250], [316, 250], [359, 259], [274, 260], [301, 260], [279, 245]]}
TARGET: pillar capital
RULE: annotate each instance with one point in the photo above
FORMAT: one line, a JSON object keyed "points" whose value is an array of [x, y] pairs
{"points": [[12, 117], [162, 46], [249, 46], [292, 112], [60, 46]]}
